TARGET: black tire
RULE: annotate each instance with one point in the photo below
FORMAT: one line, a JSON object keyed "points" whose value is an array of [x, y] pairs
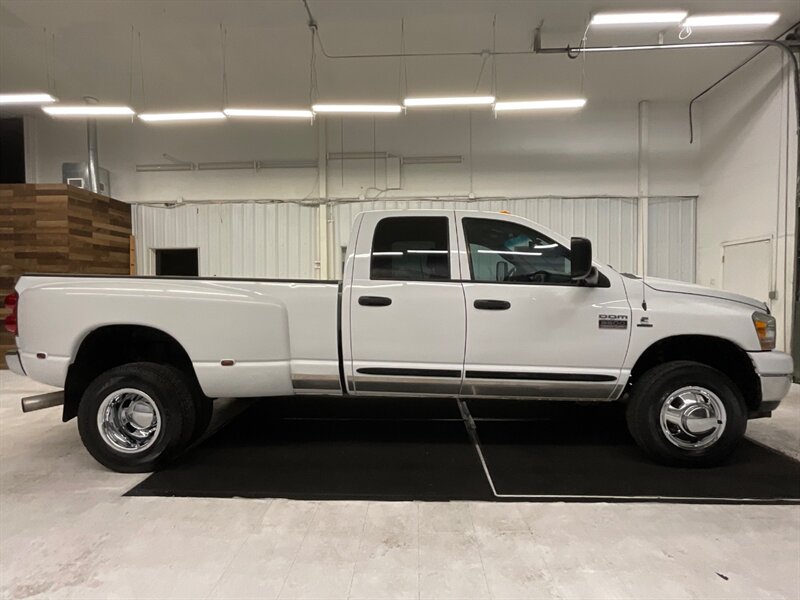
{"points": [[168, 389], [204, 410], [652, 390]]}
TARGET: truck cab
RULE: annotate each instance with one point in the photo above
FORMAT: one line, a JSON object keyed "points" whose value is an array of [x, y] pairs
{"points": [[472, 304]]}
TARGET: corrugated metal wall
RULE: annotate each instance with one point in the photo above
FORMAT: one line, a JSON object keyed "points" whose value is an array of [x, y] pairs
{"points": [[233, 240], [671, 238], [280, 239], [611, 223]]}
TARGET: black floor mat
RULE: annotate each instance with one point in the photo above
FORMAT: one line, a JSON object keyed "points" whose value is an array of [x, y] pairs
{"points": [[314, 449], [587, 453], [418, 449]]}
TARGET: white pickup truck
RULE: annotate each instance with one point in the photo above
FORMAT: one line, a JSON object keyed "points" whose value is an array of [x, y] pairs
{"points": [[459, 304]]}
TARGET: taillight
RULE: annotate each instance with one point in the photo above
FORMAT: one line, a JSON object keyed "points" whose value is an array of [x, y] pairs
{"points": [[10, 322]]}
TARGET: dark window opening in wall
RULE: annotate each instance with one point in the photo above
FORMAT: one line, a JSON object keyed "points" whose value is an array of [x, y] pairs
{"points": [[12, 150], [174, 262]]}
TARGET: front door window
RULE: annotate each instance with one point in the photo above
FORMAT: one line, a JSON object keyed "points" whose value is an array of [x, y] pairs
{"points": [[506, 252]]}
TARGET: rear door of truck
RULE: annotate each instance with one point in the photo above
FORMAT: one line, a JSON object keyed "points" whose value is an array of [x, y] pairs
{"points": [[404, 306]]}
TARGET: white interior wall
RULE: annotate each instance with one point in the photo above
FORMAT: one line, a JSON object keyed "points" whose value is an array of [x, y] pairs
{"points": [[671, 238], [234, 239], [252, 239], [609, 222], [748, 173], [590, 152]]}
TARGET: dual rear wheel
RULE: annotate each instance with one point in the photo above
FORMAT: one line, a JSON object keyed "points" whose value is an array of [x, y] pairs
{"points": [[135, 417]]}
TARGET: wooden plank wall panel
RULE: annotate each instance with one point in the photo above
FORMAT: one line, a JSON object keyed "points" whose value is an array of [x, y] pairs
{"points": [[56, 228]]}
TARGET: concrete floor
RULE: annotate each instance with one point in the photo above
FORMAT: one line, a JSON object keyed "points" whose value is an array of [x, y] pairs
{"points": [[67, 532]]}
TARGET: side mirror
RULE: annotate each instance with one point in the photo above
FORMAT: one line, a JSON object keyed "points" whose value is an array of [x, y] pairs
{"points": [[581, 258]]}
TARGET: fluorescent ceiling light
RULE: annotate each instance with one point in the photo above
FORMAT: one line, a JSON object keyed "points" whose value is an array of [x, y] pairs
{"points": [[182, 116], [357, 108], [638, 18], [540, 104], [26, 98], [764, 18], [274, 113], [455, 101], [88, 110]]}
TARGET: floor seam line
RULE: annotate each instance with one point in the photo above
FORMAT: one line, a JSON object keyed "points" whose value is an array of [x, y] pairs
{"points": [[480, 554], [233, 557], [358, 551], [299, 549], [419, 558]]}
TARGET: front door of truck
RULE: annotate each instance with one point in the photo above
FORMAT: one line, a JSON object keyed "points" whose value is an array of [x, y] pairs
{"points": [[531, 331], [405, 306]]}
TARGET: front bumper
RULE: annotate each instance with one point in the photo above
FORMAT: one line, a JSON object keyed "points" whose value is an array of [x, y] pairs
{"points": [[14, 363], [774, 370]]}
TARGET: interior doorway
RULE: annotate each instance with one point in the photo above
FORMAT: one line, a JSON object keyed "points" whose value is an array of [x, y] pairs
{"points": [[747, 268]]}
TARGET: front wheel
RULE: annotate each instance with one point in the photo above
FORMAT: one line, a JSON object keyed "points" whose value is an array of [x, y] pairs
{"points": [[134, 417], [684, 413]]}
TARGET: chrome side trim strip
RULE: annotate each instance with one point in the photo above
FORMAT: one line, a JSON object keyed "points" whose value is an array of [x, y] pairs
{"points": [[409, 385], [545, 390], [316, 382]]}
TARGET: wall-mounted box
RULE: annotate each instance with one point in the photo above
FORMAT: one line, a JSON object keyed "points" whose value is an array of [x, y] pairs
{"points": [[77, 175]]}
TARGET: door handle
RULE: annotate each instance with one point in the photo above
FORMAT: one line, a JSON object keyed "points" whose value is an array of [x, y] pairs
{"points": [[374, 301], [491, 304]]}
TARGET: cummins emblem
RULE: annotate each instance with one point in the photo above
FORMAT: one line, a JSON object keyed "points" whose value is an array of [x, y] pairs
{"points": [[613, 322]]}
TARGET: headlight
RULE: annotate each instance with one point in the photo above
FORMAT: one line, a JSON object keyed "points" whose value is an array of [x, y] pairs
{"points": [[765, 330]]}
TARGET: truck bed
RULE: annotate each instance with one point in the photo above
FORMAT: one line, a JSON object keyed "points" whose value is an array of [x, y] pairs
{"points": [[281, 335]]}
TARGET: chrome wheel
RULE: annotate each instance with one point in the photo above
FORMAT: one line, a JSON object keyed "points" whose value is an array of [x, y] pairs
{"points": [[692, 418], [129, 421]]}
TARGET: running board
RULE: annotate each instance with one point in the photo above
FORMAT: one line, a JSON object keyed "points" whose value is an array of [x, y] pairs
{"points": [[32, 403]]}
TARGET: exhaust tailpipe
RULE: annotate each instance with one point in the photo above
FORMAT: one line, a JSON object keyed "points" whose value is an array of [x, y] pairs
{"points": [[32, 403]]}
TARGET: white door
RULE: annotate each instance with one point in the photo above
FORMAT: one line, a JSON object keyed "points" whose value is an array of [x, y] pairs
{"points": [[406, 304], [531, 331], [746, 268]]}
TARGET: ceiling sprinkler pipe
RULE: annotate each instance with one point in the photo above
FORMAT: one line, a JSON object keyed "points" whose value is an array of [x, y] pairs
{"points": [[792, 49], [786, 47]]}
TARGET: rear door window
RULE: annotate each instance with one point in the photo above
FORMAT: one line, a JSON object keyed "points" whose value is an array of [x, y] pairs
{"points": [[411, 249]]}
